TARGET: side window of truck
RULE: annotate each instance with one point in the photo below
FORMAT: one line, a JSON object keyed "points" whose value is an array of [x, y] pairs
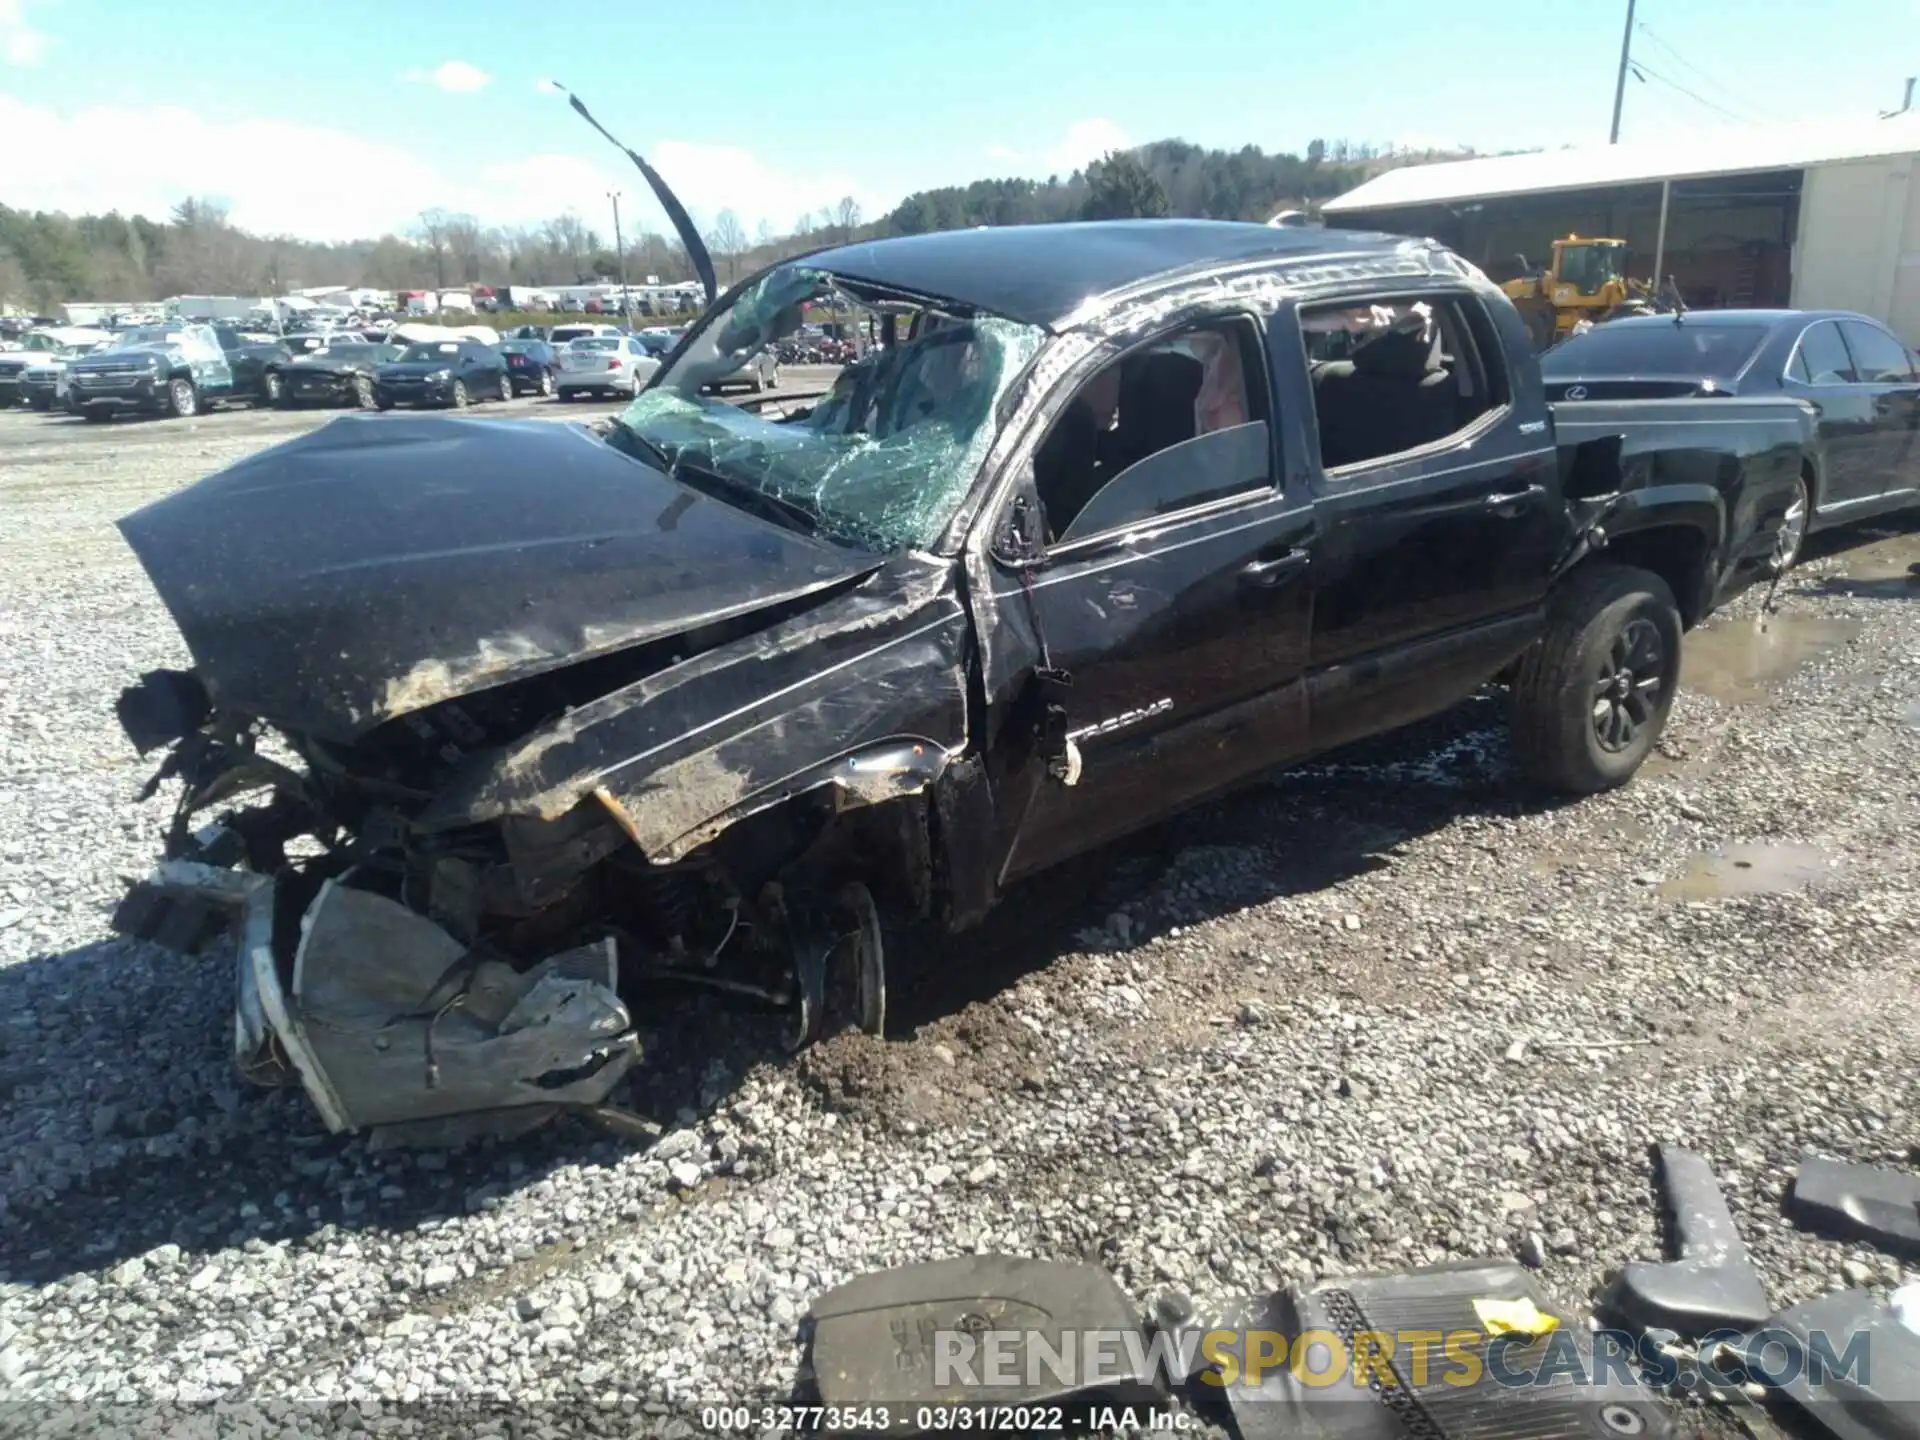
{"points": [[1398, 374], [1178, 423]]}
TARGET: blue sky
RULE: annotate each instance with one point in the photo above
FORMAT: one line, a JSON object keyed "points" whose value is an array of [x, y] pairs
{"points": [[348, 117]]}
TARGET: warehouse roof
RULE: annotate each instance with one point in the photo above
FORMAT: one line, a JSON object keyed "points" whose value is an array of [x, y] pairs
{"points": [[1719, 152]]}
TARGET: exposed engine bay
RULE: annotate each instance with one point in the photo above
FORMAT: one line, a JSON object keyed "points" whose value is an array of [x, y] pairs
{"points": [[488, 971]]}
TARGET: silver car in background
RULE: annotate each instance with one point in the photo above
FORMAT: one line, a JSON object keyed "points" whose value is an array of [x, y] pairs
{"points": [[604, 365], [760, 373]]}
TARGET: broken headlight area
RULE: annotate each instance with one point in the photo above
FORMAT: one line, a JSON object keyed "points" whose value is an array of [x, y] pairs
{"points": [[405, 978]]}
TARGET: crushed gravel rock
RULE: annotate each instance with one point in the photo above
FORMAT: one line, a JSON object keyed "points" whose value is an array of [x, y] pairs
{"points": [[1383, 1011]]}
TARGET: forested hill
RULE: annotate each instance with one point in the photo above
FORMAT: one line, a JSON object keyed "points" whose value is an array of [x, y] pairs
{"points": [[47, 257], [1167, 177]]}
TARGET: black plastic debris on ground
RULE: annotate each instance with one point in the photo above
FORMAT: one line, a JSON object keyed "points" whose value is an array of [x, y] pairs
{"points": [[1710, 1284], [1451, 1386], [1858, 1202], [1845, 1366], [940, 1336]]}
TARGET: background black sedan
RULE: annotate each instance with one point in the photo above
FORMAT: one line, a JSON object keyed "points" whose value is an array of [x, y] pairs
{"points": [[443, 372], [531, 366], [1851, 369], [341, 374]]}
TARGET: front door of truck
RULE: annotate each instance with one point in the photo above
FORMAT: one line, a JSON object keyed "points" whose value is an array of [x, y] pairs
{"points": [[1170, 602], [1437, 514]]}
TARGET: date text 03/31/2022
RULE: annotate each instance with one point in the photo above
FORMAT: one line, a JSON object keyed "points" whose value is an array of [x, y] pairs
{"points": [[975, 1419]]}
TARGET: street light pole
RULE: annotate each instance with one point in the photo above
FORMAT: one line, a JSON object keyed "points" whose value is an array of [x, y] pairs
{"points": [[626, 302], [1620, 81]]}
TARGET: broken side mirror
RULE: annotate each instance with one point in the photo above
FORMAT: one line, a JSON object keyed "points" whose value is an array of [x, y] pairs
{"points": [[1017, 542]]}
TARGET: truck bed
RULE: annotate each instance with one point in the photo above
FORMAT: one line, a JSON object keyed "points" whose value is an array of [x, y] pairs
{"points": [[1742, 456]]}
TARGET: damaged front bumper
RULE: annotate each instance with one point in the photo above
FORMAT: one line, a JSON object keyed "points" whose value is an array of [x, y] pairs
{"points": [[385, 1019]]}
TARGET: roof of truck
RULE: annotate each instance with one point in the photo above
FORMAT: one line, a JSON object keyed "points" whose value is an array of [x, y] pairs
{"points": [[1042, 274]]}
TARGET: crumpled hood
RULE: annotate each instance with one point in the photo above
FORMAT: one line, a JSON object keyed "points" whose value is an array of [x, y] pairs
{"points": [[319, 364], [379, 565]]}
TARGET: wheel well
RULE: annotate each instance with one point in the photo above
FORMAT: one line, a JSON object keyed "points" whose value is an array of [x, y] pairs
{"points": [[1811, 474], [1677, 554]]}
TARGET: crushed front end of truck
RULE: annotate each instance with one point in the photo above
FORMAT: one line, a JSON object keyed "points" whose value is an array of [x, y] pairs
{"points": [[492, 725]]}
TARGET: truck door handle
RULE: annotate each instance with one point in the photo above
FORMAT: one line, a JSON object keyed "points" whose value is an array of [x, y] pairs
{"points": [[1507, 504], [1265, 574]]}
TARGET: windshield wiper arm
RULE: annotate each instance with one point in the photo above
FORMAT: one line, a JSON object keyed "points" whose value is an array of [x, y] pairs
{"points": [[789, 512], [656, 452]]}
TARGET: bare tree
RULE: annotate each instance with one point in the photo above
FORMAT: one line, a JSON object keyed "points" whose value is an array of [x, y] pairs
{"points": [[569, 237], [464, 247], [728, 239], [847, 216], [431, 231]]}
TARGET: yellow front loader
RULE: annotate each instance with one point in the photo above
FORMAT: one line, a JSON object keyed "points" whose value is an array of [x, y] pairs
{"points": [[1586, 281]]}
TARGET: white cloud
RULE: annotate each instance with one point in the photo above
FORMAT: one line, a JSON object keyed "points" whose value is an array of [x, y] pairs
{"points": [[712, 178], [278, 177], [1084, 141], [456, 77], [20, 43]]}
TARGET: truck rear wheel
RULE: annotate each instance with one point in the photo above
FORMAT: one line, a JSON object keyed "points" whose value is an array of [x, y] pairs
{"points": [[1591, 698]]}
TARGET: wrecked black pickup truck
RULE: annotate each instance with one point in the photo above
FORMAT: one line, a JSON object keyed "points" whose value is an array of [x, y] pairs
{"points": [[1114, 517]]}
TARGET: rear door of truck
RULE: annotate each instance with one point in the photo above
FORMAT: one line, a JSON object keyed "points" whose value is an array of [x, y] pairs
{"points": [[1438, 520]]}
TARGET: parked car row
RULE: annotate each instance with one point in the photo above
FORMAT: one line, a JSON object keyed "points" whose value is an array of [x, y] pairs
{"points": [[183, 369]]}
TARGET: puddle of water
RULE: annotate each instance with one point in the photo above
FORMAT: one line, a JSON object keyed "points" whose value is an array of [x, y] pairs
{"points": [[1738, 662], [1750, 870], [1881, 587], [1879, 570]]}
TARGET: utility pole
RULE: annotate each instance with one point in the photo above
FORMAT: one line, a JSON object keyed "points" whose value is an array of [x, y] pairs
{"points": [[1620, 82], [620, 249]]}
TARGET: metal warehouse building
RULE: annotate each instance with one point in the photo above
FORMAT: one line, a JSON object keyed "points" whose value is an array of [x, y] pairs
{"points": [[1812, 216]]}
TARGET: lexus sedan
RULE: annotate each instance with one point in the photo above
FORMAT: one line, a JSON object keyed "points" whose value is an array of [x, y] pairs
{"points": [[1851, 369]]}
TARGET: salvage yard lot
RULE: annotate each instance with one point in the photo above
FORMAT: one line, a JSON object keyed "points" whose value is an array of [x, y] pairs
{"points": [[1384, 1010]]}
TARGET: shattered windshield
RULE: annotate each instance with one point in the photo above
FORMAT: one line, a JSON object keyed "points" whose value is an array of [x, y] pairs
{"points": [[879, 461], [431, 350]]}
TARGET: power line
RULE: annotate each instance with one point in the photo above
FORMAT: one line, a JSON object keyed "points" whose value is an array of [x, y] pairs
{"points": [[1642, 73], [1688, 65]]}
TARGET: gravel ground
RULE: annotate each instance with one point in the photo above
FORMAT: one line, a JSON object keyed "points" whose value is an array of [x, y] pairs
{"points": [[1384, 1011]]}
